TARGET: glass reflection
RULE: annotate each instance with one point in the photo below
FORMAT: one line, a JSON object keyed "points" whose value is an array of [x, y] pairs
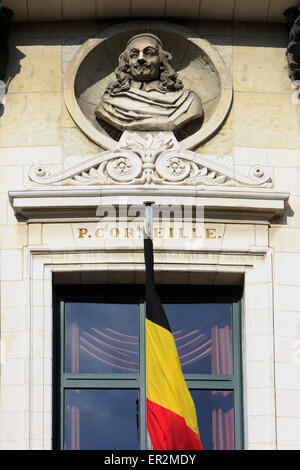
{"points": [[203, 336], [101, 419], [101, 338], [215, 418]]}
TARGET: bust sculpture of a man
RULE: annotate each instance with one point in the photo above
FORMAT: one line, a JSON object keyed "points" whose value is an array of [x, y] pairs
{"points": [[147, 94]]}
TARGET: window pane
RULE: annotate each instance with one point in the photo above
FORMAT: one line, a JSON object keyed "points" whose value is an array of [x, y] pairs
{"points": [[101, 338], [101, 419], [215, 418], [203, 336]]}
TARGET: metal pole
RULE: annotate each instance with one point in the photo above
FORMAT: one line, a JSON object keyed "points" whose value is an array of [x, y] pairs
{"points": [[148, 219], [148, 233]]}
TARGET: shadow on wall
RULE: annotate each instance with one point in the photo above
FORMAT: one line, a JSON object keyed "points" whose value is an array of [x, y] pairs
{"points": [[5, 19], [221, 33], [283, 218], [14, 65], [13, 69], [6, 15]]}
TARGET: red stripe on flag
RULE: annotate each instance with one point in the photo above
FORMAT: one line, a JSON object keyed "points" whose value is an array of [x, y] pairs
{"points": [[168, 430]]}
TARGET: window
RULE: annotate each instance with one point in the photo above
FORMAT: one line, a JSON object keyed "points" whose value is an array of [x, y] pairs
{"points": [[99, 363]]}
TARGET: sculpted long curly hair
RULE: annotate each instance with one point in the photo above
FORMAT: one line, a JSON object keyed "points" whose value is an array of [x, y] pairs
{"points": [[168, 80]]}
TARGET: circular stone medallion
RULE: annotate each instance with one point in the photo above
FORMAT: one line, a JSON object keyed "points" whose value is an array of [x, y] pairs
{"points": [[197, 63]]}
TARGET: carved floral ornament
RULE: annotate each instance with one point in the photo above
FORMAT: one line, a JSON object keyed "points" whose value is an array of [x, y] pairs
{"points": [[150, 160]]}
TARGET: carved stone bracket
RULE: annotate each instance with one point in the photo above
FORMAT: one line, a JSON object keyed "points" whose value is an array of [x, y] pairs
{"points": [[153, 160]]}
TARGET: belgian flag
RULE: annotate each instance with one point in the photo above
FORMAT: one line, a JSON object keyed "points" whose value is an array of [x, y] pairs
{"points": [[171, 415]]}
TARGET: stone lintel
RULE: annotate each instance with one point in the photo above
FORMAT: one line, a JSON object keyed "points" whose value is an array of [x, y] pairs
{"points": [[82, 203]]}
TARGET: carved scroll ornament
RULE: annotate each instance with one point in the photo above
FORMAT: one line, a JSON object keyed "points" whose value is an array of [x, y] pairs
{"points": [[153, 160]]}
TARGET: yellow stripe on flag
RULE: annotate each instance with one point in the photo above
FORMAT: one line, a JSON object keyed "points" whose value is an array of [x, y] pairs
{"points": [[165, 384]]}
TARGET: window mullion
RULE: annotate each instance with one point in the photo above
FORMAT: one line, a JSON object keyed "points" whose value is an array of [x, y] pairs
{"points": [[209, 377], [101, 383], [210, 384], [83, 376], [237, 369], [62, 370]]}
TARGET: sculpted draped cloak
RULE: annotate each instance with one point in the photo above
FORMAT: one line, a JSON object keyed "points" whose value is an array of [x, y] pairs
{"points": [[146, 108]]}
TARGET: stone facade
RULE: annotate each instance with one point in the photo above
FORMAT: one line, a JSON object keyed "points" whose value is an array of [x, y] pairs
{"points": [[262, 128]]}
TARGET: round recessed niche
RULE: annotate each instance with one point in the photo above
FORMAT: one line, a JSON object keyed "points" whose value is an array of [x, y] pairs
{"points": [[197, 62]]}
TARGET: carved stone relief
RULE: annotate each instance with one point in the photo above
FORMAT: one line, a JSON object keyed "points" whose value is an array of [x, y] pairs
{"points": [[188, 91], [150, 112], [147, 93], [150, 160]]}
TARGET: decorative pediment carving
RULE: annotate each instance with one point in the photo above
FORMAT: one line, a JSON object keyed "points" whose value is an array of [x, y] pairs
{"points": [[150, 160]]}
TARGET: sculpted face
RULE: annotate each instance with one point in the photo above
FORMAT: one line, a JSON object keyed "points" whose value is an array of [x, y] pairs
{"points": [[144, 59], [147, 93]]}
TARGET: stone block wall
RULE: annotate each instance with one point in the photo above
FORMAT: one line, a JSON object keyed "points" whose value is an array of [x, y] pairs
{"points": [[263, 127]]}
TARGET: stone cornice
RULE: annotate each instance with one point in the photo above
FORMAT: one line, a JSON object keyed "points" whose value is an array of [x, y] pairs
{"points": [[49, 204]]}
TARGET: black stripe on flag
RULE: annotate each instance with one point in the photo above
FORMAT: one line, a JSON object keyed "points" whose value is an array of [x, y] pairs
{"points": [[154, 308]]}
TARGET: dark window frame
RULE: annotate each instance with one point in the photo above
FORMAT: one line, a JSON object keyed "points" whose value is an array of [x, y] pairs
{"points": [[120, 293]]}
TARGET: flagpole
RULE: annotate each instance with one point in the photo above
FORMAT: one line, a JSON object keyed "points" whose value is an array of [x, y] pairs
{"points": [[148, 219], [170, 414], [148, 233]]}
